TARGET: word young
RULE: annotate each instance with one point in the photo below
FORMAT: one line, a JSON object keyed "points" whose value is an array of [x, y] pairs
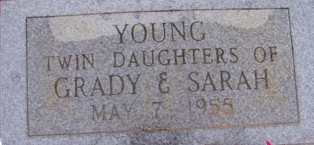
{"points": [[139, 33]]}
